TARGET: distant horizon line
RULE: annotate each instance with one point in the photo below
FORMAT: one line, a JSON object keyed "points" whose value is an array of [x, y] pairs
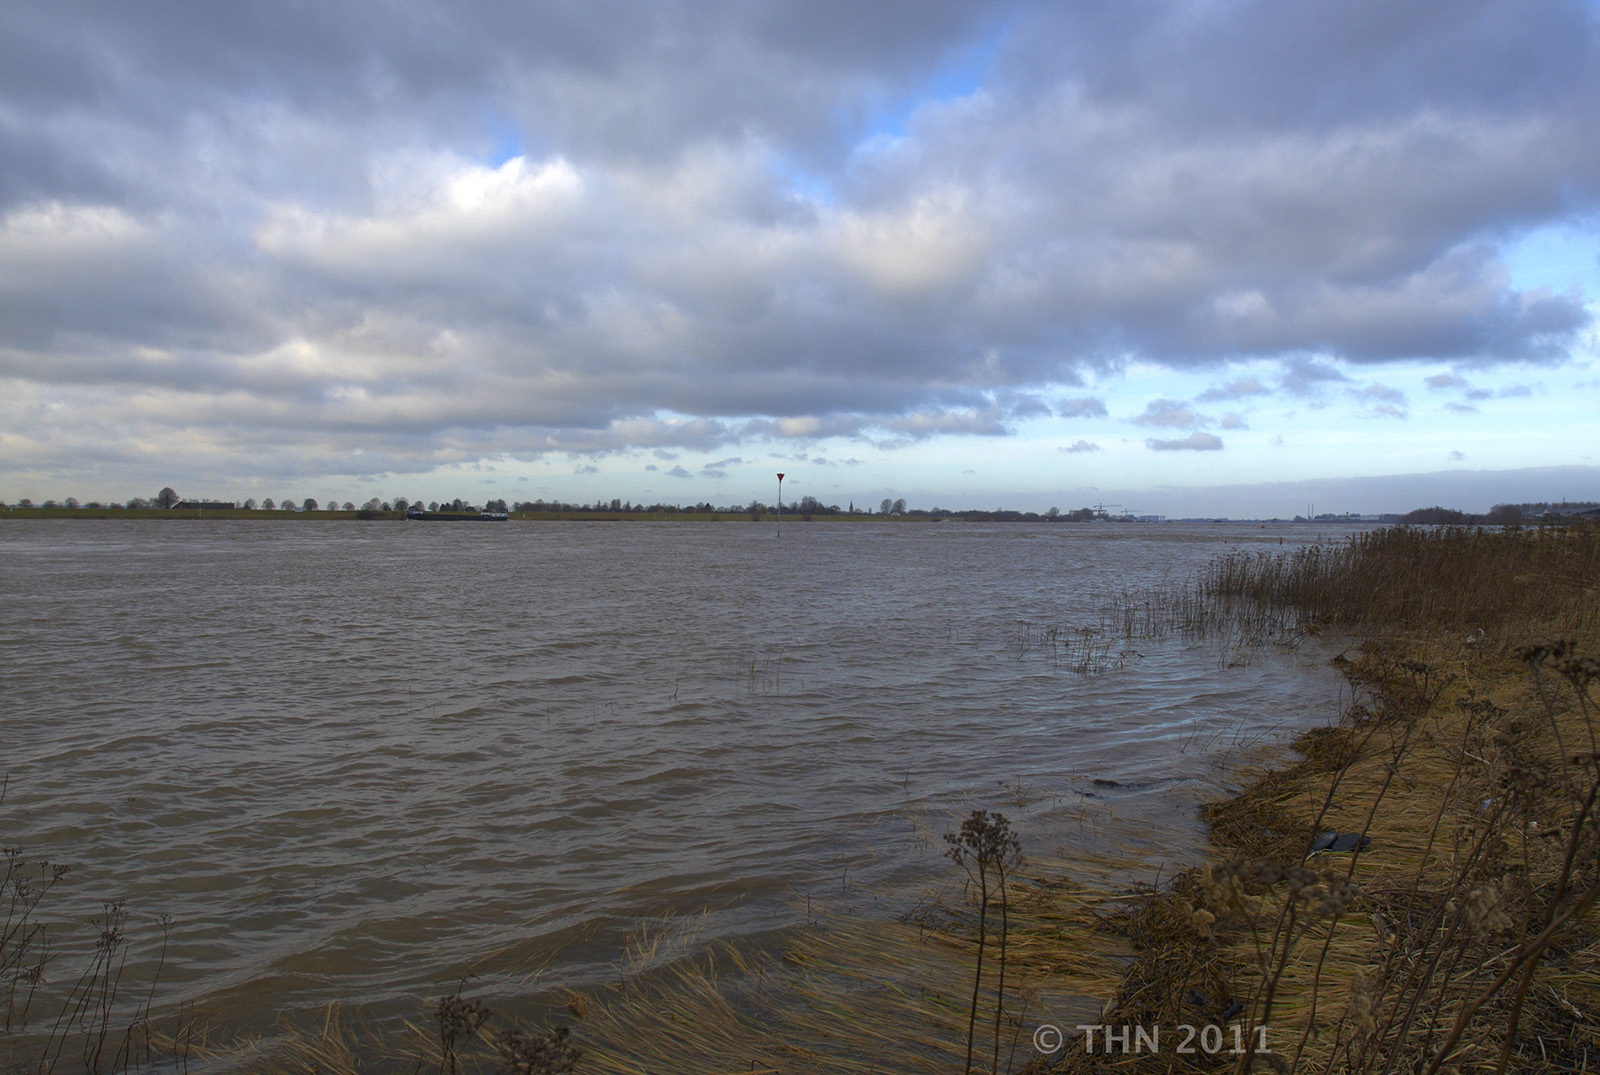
{"points": [[1376, 495], [1433, 514]]}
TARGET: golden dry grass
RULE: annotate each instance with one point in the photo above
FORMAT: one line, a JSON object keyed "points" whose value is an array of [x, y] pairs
{"points": [[1463, 938]]}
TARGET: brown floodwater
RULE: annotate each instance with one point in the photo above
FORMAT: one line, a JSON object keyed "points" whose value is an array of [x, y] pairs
{"points": [[354, 762]]}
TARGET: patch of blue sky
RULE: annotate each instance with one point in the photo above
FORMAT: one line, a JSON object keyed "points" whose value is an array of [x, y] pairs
{"points": [[960, 74], [802, 184], [505, 138], [1557, 256]]}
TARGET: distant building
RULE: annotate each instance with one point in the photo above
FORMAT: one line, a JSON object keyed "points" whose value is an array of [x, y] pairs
{"points": [[206, 505]]}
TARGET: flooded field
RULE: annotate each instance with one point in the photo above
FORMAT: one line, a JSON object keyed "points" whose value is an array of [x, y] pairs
{"points": [[355, 762]]}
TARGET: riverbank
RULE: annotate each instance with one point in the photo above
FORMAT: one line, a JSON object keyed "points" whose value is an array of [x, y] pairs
{"points": [[1417, 893]]}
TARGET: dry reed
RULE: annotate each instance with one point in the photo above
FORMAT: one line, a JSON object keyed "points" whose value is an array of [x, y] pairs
{"points": [[1459, 934]]}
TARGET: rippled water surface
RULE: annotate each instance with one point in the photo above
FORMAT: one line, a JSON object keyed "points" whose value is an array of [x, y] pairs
{"points": [[352, 760]]}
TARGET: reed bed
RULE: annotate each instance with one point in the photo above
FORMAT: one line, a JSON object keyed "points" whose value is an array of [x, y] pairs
{"points": [[1489, 585], [1458, 931]]}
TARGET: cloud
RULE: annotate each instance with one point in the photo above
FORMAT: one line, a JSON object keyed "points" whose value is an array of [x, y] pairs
{"points": [[971, 421], [1305, 377], [1243, 388], [1441, 381], [1082, 407], [1194, 442], [1233, 421], [1026, 405], [1386, 402], [1083, 446], [1169, 414], [1461, 408], [679, 472], [320, 236], [1456, 457], [1382, 392]]}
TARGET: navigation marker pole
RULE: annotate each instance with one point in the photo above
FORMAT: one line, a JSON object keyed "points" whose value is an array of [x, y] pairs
{"points": [[780, 503]]}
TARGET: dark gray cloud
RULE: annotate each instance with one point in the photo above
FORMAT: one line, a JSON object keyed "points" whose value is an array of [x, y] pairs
{"points": [[427, 233]]}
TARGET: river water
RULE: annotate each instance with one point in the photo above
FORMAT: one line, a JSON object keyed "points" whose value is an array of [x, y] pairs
{"points": [[357, 761]]}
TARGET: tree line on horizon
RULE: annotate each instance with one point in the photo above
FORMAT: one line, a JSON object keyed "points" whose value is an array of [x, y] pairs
{"points": [[1500, 514], [168, 498]]}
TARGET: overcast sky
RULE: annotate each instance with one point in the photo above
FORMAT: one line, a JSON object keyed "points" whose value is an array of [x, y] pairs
{"points": [[974, 255]]}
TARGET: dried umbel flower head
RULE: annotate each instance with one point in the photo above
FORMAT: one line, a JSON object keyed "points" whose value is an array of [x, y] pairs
{"points": [[1482, 909], [460, 1018], [525, 1053], [1224, 889]]}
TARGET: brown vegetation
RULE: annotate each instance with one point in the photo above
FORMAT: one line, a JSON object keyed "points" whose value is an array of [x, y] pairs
{"points": [[1459, 935]]}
